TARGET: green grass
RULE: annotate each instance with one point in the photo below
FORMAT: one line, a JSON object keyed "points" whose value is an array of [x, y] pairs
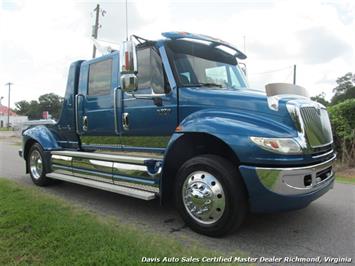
{"points": [[5, 129], [39, 229], [345, 180]]}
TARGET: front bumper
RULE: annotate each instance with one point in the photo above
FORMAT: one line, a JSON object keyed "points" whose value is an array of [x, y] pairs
{"points": [[280, 189]]}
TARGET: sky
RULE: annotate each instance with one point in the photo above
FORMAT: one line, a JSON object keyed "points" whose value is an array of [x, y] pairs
{"points": [[39, 39]]}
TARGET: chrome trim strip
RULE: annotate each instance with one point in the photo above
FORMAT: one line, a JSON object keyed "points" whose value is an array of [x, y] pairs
{"points": [[76, 113], [104, 157], [115, 110], [301, 167], [136, 193], [144, 187], [323, 154], [61, 164], [291, 181], [92, 169]]}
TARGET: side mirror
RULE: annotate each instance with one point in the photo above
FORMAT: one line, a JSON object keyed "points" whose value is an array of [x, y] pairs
{"points": [[128, 66], [129, 83]]}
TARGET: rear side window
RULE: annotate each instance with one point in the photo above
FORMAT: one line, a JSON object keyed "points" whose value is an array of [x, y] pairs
{"points": [[150, 70], [100, 78]]}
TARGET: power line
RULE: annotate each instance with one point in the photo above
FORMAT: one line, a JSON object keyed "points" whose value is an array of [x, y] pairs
{"points": [[288, 76]]}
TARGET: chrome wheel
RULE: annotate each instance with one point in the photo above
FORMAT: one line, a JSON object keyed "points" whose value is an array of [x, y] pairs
{"points": [[203, 197], [36, 164]]}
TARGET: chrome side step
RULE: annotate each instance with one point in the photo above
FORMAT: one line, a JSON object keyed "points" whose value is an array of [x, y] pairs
{"points": [[136, 193]]}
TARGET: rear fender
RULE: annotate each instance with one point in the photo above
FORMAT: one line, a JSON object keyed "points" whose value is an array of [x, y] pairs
{"points": [[42, 135]]}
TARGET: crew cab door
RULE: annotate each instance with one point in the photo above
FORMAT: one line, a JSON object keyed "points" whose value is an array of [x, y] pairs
{"points": [[149, 115], [95, 101]]}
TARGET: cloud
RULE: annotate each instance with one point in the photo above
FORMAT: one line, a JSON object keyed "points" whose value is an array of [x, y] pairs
{"points": [[320, 45]]}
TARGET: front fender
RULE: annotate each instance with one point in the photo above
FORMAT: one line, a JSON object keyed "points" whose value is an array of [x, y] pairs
{"points": [[235, 128], [42, 135]]}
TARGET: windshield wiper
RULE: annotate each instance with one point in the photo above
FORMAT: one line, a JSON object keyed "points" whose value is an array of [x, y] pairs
{"points": [[201, 84]]}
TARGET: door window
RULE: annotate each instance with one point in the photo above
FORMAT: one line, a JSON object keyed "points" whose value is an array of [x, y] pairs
{"points": [[100, 78], [150, 71]]}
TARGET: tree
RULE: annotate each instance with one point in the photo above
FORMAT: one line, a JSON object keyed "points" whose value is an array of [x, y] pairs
{"points": [[52, 103], [47, 102], [342, 117], [345, 89], [321, 99], [34, 111], [22, 107]]}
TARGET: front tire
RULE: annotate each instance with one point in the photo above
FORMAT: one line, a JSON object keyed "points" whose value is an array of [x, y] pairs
{"points": [[210, 195], [37, 165]]}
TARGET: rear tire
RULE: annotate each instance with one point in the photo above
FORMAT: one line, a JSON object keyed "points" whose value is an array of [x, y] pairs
{"points": [[210, 195], [37, 166]]}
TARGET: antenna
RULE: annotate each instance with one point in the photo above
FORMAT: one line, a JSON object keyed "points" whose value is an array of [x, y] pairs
{"points": [[126, 22], [244, 44]]}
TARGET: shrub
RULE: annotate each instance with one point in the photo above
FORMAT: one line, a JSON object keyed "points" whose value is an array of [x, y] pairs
{"points": [[342, 117]]}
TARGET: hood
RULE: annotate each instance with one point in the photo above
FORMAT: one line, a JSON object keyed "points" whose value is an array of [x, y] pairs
{"points": [[253, 102]]}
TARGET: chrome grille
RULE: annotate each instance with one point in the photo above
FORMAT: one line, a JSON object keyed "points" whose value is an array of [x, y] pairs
{"points": [[317, 126]]}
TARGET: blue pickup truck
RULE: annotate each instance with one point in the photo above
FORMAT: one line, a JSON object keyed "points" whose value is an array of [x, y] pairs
{"points": [[175, 119]]}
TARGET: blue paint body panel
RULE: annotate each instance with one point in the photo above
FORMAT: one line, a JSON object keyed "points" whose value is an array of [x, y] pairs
{"points": [[261, 200], [43, 135]]}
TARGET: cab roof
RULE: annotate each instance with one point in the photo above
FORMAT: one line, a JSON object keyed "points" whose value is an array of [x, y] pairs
{"points": [[213, 42]]}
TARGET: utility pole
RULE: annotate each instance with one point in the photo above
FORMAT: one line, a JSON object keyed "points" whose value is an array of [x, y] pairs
{"points": [[95, 28], [8, 104], [294, 74]]}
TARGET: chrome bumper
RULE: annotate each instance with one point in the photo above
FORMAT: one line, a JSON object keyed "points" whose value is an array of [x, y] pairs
{"points": [[298, 180]]}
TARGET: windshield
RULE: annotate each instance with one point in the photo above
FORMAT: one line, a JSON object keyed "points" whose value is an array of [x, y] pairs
{"points": [[206, 66]]}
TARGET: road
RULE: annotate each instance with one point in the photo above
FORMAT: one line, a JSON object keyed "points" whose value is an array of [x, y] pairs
{"points": [[325, 228]]}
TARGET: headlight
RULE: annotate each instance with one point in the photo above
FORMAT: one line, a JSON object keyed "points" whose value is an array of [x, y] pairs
{"points": [[279, 145]]}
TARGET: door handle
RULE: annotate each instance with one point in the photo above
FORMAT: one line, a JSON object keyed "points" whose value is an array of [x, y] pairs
{"points": [[125, 121], [85, 123]]}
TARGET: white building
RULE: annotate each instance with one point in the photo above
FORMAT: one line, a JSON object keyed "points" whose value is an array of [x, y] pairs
{"points": [[16, 121]]}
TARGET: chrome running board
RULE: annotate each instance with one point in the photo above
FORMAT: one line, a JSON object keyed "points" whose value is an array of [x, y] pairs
{"points": [[136, 193], [142, 173]]}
